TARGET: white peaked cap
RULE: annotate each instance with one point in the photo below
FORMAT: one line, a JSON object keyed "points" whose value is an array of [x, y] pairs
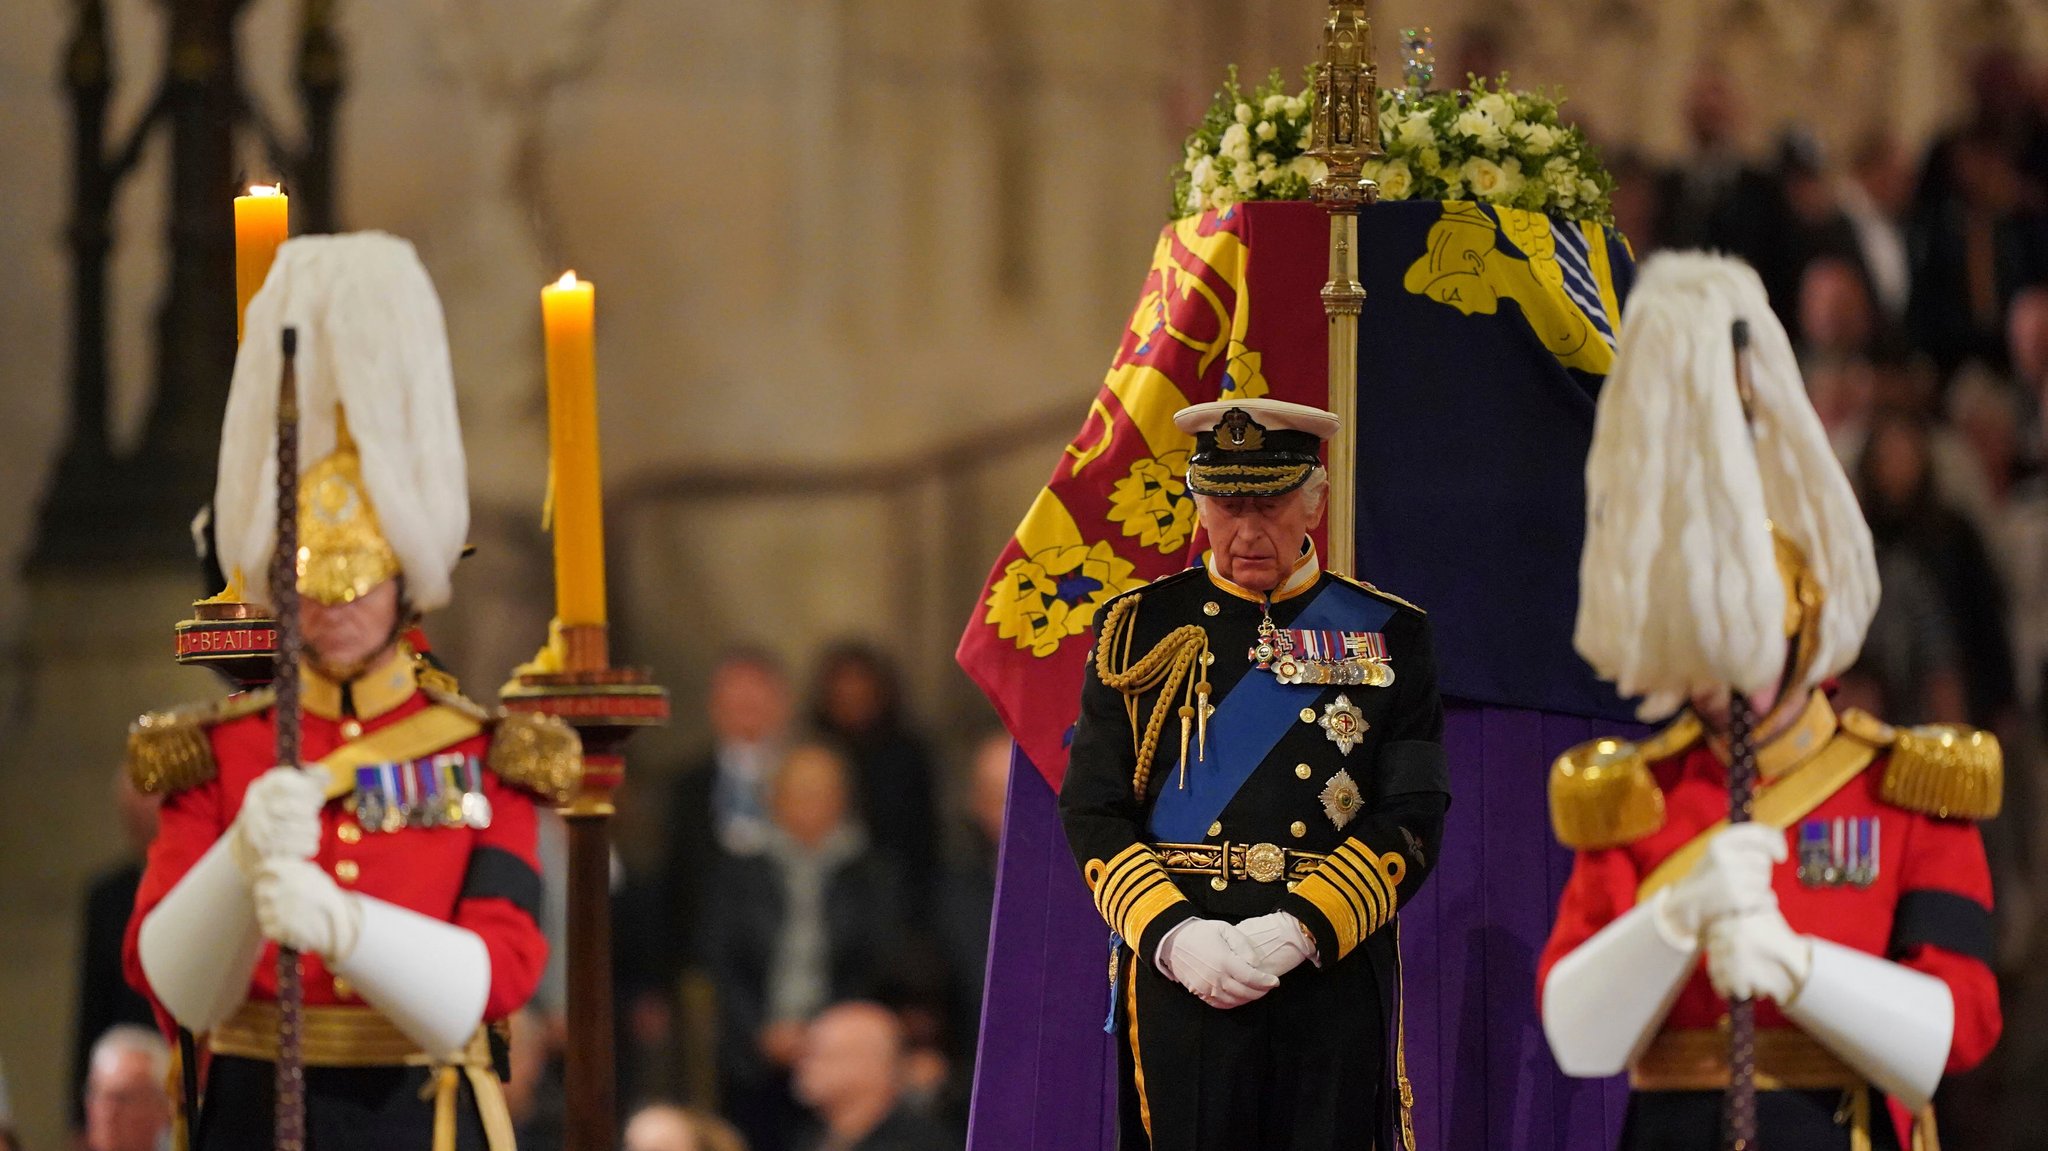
{"points": [[1679, 590], [371, 343]]}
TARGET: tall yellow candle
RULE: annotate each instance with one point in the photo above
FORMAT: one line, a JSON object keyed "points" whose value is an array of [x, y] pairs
{"points": [[262, 222], [568, 309]]}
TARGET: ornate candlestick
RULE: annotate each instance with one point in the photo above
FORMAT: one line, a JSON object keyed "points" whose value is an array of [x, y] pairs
{"points": [[572, 678]]}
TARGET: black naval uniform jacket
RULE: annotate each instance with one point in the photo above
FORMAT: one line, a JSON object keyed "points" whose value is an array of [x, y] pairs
{"points": [[1309, 1066]]}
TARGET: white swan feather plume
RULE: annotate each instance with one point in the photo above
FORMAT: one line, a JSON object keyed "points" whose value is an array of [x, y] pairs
{"points": [[1679, 589], [371, 343]]}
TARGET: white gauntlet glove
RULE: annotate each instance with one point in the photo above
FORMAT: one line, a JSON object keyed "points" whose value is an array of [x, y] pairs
{"points": [[301, 907], [280, 817], [1732, 878], [1757, 955], [1279, 943], [1215, 961]]}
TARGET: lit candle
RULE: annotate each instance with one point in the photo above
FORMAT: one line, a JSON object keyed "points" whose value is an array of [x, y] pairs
{"points": [[262, 222], [568, 310]]}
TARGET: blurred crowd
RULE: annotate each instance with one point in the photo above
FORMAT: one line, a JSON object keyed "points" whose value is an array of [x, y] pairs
{"points": [[803, 969]]}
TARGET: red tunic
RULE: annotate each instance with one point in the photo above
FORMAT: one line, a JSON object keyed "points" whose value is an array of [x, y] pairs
{"points": [[1928, 907], [485, 880]]}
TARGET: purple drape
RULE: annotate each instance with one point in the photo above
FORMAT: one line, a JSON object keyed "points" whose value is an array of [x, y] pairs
{"points": [[1483, 1076]]}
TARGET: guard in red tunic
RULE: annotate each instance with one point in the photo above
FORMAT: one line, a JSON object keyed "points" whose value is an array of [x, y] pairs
{"points": [[401, 860], [1728, 553]]}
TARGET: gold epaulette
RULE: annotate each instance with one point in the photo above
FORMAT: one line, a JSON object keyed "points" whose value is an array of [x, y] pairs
{"points": [[168, 750], [1602, 793], [1939, 769], [1382, 593], [432, 677], [537, 752]]}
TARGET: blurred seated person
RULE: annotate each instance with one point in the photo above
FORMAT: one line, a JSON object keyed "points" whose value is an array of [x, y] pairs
{"points": [[719, 805], [667, 1127], [717, 810], [851, 1076], [858, 705], [104, 997], [1897, 485], [813, 919], [1974, 250], [127, 1097]]}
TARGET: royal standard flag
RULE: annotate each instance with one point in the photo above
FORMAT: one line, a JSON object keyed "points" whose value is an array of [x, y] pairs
{"points": [[1484, 337]]}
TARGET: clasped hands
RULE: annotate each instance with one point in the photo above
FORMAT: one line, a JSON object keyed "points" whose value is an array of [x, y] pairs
{"points": [[1229, 965], [273, 840], [1726, 905]]}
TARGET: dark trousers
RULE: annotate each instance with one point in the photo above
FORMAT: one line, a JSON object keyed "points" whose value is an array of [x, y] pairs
{"points": [[1302, 1069], [1785, 1121], [347, 1109]]}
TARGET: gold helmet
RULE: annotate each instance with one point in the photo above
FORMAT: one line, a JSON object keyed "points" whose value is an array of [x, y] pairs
{"points": [[342, 551]]}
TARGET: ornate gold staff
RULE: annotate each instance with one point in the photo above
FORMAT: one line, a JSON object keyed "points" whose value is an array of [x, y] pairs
{"points": [[1346, 132]]}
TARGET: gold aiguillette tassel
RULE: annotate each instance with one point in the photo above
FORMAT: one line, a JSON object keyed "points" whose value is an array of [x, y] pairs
{"points": [[1186, 713], [1202, 710]]}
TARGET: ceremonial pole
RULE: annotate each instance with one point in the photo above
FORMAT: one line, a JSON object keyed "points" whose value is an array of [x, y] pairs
{"points": [[289, 1133], [572, 678], [1738, 1126], [1346, 132]]}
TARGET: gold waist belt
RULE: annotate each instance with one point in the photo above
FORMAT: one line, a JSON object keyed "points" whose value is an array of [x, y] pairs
{"points": [[1258, 862], [361, 1037], [1787, 1059]]}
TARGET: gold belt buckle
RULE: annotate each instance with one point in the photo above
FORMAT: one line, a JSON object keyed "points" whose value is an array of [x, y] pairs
{"points": [[1264, 863]]}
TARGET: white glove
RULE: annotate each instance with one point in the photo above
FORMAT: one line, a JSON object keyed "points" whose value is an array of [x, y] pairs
{"points": [[1757, 955], [300, 906], [1732, 878], [280, 817], [1278, 942], [1215, 961]]}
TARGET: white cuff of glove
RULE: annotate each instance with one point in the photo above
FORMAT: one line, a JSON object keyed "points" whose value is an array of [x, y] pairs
{"points": [[427, 976], [1604, 1001], [1888, 1021], [200, 944]]}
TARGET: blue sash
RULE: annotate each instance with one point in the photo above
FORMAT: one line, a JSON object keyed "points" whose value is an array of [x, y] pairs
{"points": [[1249, 721]]}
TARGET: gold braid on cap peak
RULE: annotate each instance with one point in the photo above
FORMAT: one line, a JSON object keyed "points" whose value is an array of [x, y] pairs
{"points": [[342, 551], [539, 753]]}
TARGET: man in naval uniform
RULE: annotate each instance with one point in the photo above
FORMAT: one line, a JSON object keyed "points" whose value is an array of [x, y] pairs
{"points": [[1257, 784], [401, 862], [1856, 907]]}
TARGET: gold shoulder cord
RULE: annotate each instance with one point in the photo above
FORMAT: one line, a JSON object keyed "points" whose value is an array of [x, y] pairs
{"points": [[1165, 667]]}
